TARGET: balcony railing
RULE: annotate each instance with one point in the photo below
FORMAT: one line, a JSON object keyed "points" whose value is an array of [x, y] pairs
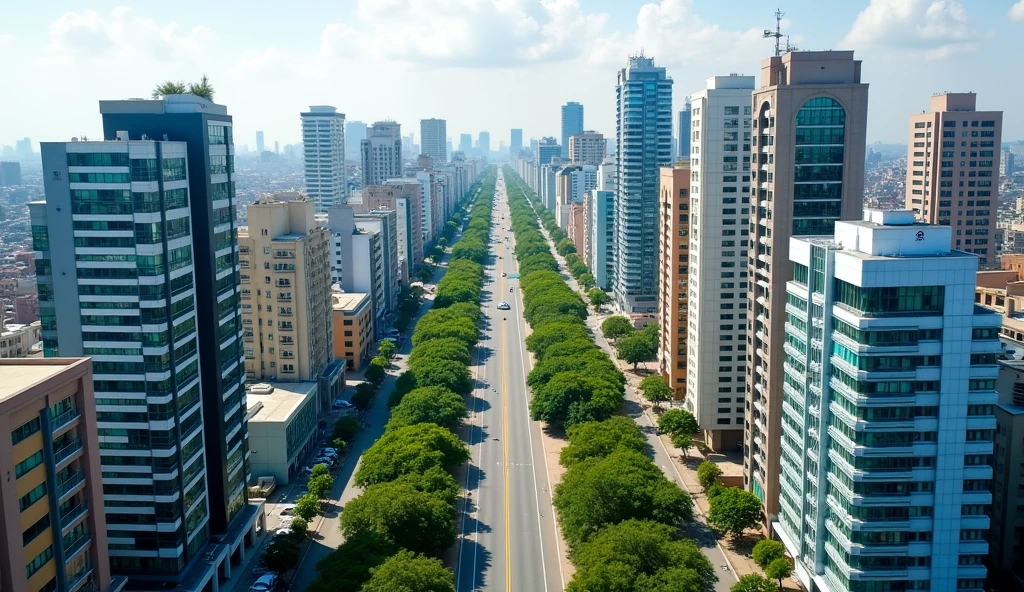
{"points": [[70, 484], [76, 546], [64, 419], [81, 580], [68, 517], [67, 451]]}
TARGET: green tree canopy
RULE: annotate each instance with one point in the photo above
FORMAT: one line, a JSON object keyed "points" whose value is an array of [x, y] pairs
{"points": [[572, 397], [734, 510], [403, 385], [307, 507], [319, 469], [708, 474], [448, 374], [448, 348], [586, 279], [640, 556], [616, 327], [375, 373], [434, 481], [538, 262], [431, 404], [655, 389], [402, 515], [410, 449], [387, 349], [365, 393], [320, 486], [635, 349], [346, 428], [406, 571], [600, 438], [544, 337], [598, 297], [753, 583], [347, 568], [564, 247], [779, 570], [678, 422], [282, 556], [766, 551], [625, 484]]}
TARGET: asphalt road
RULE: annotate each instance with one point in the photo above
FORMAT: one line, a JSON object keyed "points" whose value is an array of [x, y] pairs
{"points": [[508, 540]]}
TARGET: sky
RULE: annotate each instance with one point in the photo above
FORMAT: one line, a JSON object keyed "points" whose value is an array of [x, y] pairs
{"points": [[480, 64]]}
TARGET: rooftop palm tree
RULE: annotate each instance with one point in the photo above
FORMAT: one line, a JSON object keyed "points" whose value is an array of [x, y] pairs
{"points": [[169, 88], [203, 88]]}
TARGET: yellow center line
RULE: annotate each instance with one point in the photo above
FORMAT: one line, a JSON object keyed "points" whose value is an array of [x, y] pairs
{"points": [[504, 446]]}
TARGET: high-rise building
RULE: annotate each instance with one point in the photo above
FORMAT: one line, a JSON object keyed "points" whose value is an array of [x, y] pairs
{"points": [[406, 197], [55, 498], [516, 143], [643, 138], [953, 170], [283, 244], [716, 340], [385, 223], [546, 149], [673, 270], [23, 148], [1007, 166], [572, 124], [101, 199], [382, 153], [433, 135], [683, 134], [10, 174], [323, 146], [260, 145], [598, 238], [1007, 553], [277, 147], [484, 144], [808, 146], [887, 406], [466, 143], [355, 133], [587, 148]]}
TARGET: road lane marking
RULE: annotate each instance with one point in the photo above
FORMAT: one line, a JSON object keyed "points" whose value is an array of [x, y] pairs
{"points": [[504, 448]]}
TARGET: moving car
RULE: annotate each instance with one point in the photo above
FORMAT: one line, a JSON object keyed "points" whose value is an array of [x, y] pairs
{"points": [[503, 305], [503, 274], [265, 583]]}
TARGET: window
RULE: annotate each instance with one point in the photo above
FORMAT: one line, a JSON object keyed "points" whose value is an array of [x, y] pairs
{"points": [[28, 464], [40, 560], [25, 430]]}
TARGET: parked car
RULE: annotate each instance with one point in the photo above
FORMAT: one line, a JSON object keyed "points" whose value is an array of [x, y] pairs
{"points": [[265, 583], [287, 510], [286, 531], [394, 333], [341, 404]]}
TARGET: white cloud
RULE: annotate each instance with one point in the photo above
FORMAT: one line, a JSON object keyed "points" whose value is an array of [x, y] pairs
{"points": [[675, 35], [1017, 11], [6, 42], [123, 36], [932, 29]]}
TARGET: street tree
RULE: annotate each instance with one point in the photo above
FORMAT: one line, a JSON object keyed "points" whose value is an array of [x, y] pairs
{"points": [[347, 568], [766, 551], [410, 449], [387, 349], [364, 395], [625, 484], [586, 279], [616, 327], [573, 397], [320, 486], [708, 474], [407, 571], [655, 389], [346, 428], [598, 297], [431, 404], [400, 514], [319, 469], [678, 422], [300, 528], [753, 583], [448, 348], [635, 349], [779, 570], [376, 372], [544, 337], [600, 438], [733, 511], [448, 374], [282, 556], [307, 507]]}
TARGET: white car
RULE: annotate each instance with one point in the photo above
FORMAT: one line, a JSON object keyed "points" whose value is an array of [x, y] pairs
{"points": [[265, 583], [503, 305]]}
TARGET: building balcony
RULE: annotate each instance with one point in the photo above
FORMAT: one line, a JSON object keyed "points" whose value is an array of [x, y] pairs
{"points": [[67, 453], [69, 517], [70, 485], [64, 420], [81, 579]]}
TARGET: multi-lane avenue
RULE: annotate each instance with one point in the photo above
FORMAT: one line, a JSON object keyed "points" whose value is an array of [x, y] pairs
{"points": [[508, 539]]}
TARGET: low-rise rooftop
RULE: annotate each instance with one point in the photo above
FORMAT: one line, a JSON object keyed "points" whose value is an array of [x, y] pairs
{"points": [[277, 401], [349, 301]]}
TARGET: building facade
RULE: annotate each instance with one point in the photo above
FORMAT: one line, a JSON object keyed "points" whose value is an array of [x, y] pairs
{"points": [[587, 148], [323, 147], [53, 505], [433, 140], [385, 223], [286, 290], [353, 327], [1007, 538], [887, 441], [673, 273], [643, 138], [598, 234], [683, 130], [382, 153], [808, 144], [405, 196], [283, 420], [719, 244], [953, 170], [515, 144], [572, 124], [18, 341]]}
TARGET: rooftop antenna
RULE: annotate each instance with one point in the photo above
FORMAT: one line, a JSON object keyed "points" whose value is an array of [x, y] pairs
{"points": [[777, 33], [790, 47]]}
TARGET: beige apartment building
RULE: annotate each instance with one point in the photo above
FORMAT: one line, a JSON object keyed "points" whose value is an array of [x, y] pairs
{"points": [[18, 341], [52, 512], [953, 171], [807, 166], [286, 302], [587, 148], [405, 197], [673, 270], [352, 315]]}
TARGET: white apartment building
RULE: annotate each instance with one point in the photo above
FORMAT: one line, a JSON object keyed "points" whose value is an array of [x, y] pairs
{"points": [[719, 208], [600, 243], [323, 146], [434, 140], [382, 153], [887, 410]]}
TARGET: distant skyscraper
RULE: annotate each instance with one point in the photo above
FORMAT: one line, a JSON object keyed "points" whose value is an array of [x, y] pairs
{"points": [[971, 143], [808, 153], [277, 147], [516, 143], [355, 133], [323, 145], [382, 153], [260, 147], [23, 148], [485, 144], [587, 148], [716, 359], [572, 124], [683, 138], [466, 143], [448, 147], [888, 405], [1006, 164], [10, 174], [644, 144], [433, 133]]}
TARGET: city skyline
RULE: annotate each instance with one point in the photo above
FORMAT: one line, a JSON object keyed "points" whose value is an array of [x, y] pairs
{"points": [[694, 39]]}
